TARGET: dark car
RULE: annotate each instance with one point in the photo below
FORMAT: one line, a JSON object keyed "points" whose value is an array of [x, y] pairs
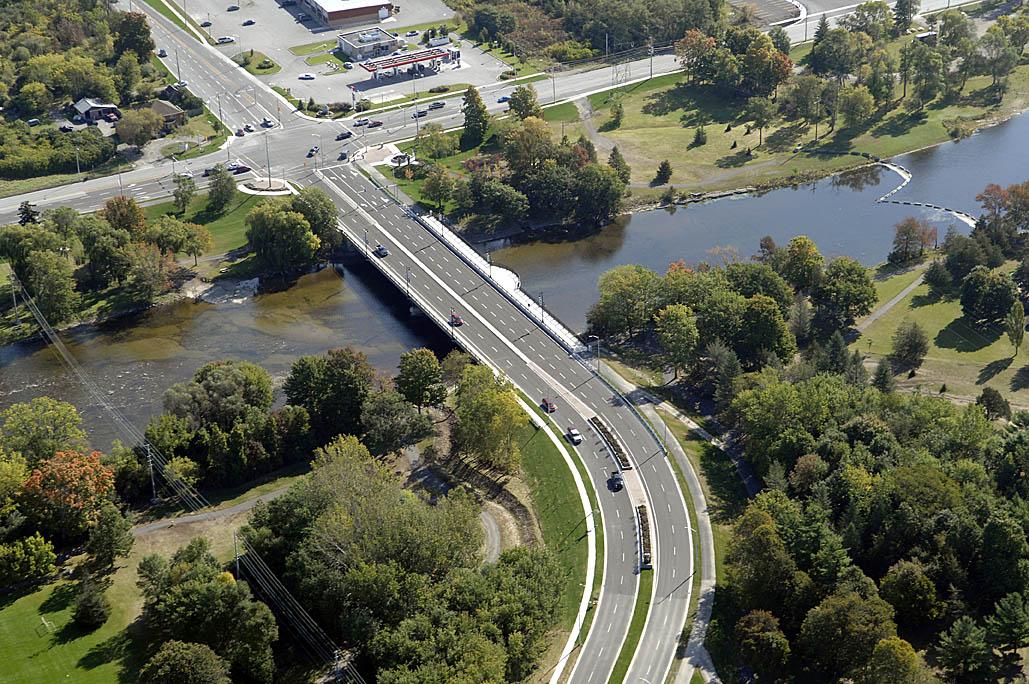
{"points": [[503, 98], [344, 135], [548, 405], [615, 482], [437, 105], [343, 156], [239, 132], [419, 114], [66, 129], [313, 151], [374, 124], [205, 24], [381, 251], [233, 8], [249, 22], [241, 168]]}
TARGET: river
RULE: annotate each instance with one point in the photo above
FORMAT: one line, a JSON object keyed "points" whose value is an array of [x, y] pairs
{"points": [[136, 359], [839, 213]]}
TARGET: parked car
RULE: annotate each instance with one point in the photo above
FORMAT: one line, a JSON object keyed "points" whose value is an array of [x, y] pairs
{"points": [[249, 22], [162, 53], [361, 122], [381, 251], [181, 84], [348, 65], [249, 128], [343, 135], [313, 151], [233, 8], [222, 40], [615, 482], [412, 32], [574, 436], [503, 98], [548, 406], [374, 124], [239, 132], [111, 117], [205, 24], [437, 105], [65, 128], [306, 77]]}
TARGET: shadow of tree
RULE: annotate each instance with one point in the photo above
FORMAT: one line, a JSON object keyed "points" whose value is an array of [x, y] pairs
{"points": [[785, 138], [933, 296], [117, 647], [992, 369], [960, 335], [734, 160], [729, 496], [59, 599], [899, 125], [1020, 380]]}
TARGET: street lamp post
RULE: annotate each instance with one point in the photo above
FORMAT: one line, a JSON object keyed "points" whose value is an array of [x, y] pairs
{"points": [[595, 337], [268, 160], [78, 169]]}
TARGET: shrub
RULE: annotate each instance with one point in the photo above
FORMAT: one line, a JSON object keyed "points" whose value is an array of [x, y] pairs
{"points": [[439, 89], [699, 136], [664, 173], [91, 607]]}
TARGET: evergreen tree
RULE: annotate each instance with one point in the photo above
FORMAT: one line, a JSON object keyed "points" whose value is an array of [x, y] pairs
{"points": [[476, 119], [110, 537], [963, 653], [883, 379], [910, 345], [1008, 628], [91, 607], [823, 28], [664, 173], [903, 12], [617, 162], [1014, 325], [27, 213]]}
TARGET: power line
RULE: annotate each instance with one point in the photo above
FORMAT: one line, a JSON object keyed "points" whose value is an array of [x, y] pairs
{"points": [[312, 637]]}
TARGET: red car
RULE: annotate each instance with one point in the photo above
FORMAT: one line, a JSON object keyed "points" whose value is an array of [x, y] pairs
{"points": [[374, 124], [548, 405], [456, 320]]}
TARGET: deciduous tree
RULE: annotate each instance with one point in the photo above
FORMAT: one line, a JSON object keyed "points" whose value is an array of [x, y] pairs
{"points": [[63, 496], [51, 282], [178, 662], [524, 102], [392, 423], [184, 192], [139, 126], [280, 237], [420, 378], [124, 214], [761, 111], [221, 190], [676, 328]]}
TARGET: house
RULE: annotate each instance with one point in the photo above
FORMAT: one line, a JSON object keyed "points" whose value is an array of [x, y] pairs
{"points": [[172, 114], [93, 110]]}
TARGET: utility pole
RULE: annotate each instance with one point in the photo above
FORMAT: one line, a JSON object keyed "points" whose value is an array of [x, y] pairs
{"points": [[14, 303], [553, 87], [178, 70], [652, 60], [541, 307], [607, 52], [78, 169], [407, 279], [150, 467], [235, 552]]}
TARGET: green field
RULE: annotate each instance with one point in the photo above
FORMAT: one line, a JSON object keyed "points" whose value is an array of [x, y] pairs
{"points": [[311, 48], [253, 66], [228, 228], [662, 114], [964, 356]]}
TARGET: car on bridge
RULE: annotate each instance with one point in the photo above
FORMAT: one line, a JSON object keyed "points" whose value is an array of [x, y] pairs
{"points": [[548, 406], [456, 320], [615, 482], [574, 436], [381, 251]]}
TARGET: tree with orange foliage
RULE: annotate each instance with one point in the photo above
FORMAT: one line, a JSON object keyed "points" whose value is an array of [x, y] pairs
{"points": [[63, 496]]}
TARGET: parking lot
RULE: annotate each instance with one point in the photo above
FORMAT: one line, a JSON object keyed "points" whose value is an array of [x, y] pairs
{"points": [[275, 29]]}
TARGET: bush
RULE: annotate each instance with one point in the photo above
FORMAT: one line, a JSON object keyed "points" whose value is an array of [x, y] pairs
{"points": [[25, 559], [439, 89], [994, 403], [509, 74], [363, 105], [664, 173], [179, 662], [668, 196]]}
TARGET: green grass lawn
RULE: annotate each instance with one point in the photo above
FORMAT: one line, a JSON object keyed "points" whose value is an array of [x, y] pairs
{"points": [[253, 65], [311, 48], [227, 229], [890, 280], [964, 356], [662, 114], [285, 92], [18, 186]]}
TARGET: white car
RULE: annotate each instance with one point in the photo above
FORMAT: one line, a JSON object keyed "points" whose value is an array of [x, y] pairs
{"points": [[222, 40], [186, 174], [574, 436], [412, 32], [306, 77], [361, 122]]}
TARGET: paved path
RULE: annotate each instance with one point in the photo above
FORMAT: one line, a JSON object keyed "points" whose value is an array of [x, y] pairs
{"points": [[884, 309], [491, 544], [205, 516]]}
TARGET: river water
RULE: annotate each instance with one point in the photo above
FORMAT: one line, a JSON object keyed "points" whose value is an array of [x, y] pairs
{"points": [[136, 359], [838, 213]]}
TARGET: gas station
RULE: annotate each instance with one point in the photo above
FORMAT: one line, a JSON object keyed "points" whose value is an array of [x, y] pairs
{"points": [[413, 62]]}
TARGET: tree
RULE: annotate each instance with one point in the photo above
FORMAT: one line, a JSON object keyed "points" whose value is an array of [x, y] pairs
{"points": [[763, 329], [1003, 565], [761, 111], [333, 389], [763, 646], [319, 211], [599, 191], [476, 119], [802, 263], [488, 418], [880, 80], [628, 300], [139, 126], [197, 241], [64, 494], [51, 282], [438, 185], [617, 162], [910, 345], [903, 12], [856, 104], [178, 662], [998, 56], [765, 67], [894, 661], [127, 76], [912, 594], [676, 328], [910, 239], [132, 33], [843, 293], [392, 423], [524, 103], [281, 238], [617, 114], [928, 73], [1008, 628], [883, 379], [963, 653], [148, 272], [124, 214], [840, 633], [168, 234], [1014, 325], [433, 142], [91, 606], [664, 173], [987, 296], [221, 190], [780, 39], [110, 537], [872, 18], [420, 378], [27, 214], [696, 53], [821, 30], [107, 250], [185, 191], [28, 558], [39, 428]]}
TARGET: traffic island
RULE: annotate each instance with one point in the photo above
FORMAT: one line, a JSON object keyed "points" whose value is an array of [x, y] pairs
{"points": [[273, 187]]}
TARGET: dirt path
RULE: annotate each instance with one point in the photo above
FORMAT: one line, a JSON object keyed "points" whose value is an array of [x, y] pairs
{"points": [[491, 543], [205, 516], [585, 110]]}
